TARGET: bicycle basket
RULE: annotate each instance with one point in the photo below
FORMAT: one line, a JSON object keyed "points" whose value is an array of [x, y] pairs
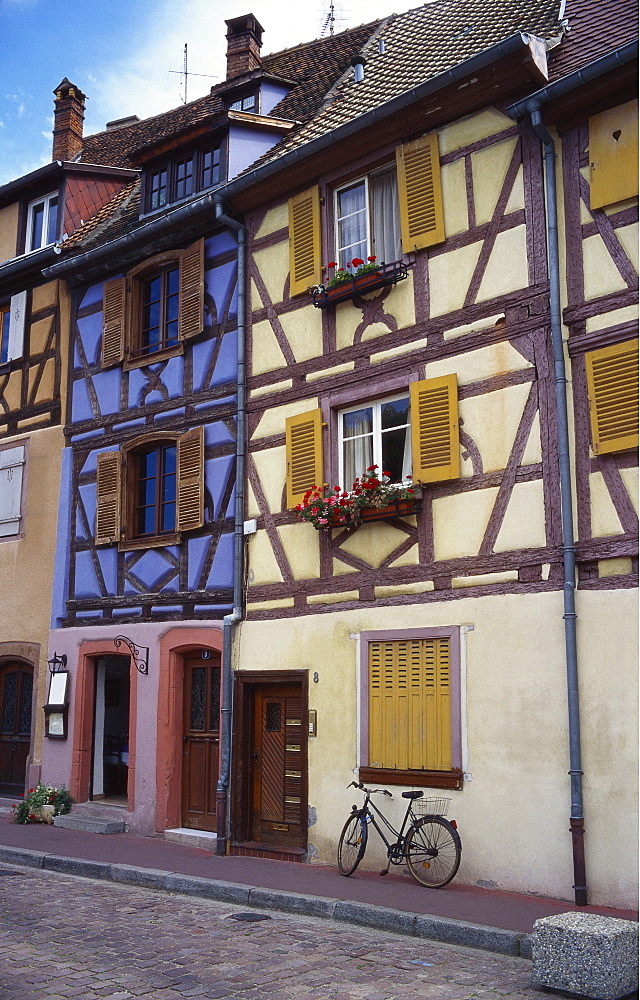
{"points": [[436, 806]]}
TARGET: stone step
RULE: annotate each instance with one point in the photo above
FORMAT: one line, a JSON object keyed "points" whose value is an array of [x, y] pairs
{"points": [[6, 806], [99, 810], [90, 824], [192, 838]]}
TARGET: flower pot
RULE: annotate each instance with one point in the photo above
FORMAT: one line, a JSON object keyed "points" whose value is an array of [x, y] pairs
{"points": [[387, 274], [44, 814], [398, 508]]}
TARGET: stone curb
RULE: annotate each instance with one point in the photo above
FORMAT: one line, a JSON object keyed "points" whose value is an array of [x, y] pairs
{"points": [[444, 929]]}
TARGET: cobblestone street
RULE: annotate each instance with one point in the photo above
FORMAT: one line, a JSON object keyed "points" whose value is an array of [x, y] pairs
{"points": [[64, 937]]}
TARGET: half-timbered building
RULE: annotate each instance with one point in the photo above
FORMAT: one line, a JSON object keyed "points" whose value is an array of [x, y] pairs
{"points": [[432, 646], [37, 211], [150, 528]]}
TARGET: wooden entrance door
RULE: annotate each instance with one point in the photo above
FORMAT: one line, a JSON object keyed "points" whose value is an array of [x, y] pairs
{"points": [[201, 743], [278, 765], [16, 687]]}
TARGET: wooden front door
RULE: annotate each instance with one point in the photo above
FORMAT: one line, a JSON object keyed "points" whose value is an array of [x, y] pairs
{"points": [[278, 762], [201, 742], [16, 687]]}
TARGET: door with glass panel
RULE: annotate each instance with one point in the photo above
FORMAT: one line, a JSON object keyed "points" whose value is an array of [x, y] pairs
{"points": [[16, 688], [201, 742]]}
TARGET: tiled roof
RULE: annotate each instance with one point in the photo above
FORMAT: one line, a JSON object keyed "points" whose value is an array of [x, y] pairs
{"points": [[117, 217], [313, 67], [420, 44], [595, 28]]}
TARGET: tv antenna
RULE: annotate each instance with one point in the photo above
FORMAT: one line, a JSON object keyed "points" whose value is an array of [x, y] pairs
{"points": [[330, 17], [186, 74]]}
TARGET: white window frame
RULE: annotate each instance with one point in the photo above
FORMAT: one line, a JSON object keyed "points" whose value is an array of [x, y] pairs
{"points": [[366, 180], [13, 348], [13, 458], [47, 238], [376, 406]]}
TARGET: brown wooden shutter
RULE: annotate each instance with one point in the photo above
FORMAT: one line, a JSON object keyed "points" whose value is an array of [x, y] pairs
{"points": [[435, 432], [108, 490], [613, 155], [304, 241], [113, 322], [304, 455], [612, 381], [191, 319], [190, 505], [420, 193]]}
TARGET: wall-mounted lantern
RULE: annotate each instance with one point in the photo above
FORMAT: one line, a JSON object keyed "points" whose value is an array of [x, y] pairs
{"points": [[57, 663]]}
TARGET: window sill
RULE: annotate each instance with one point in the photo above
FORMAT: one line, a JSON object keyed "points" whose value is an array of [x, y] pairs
{"points": [[153, 357], [426, 779], [388, 274], [152, 542]]}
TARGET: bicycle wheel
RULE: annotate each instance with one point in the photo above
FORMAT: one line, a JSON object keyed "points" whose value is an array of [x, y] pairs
{"points": [[433, 852], [352, 844]]}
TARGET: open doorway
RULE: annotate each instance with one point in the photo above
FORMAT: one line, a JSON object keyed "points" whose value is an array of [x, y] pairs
{"points": [[110, 770]]}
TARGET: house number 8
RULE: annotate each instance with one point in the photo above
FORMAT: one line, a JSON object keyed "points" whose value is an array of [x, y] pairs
{"points": [[316, 677]]}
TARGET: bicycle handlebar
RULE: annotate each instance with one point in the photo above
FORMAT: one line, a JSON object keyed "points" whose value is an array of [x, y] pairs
{"points": [[363, 788]]}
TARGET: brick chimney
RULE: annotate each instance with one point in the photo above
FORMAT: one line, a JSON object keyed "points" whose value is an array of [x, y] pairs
{"points": [[244, 41], [68, 118]]}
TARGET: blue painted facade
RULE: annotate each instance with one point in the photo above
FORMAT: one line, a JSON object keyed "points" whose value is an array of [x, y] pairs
{"points": [[109, 408]]}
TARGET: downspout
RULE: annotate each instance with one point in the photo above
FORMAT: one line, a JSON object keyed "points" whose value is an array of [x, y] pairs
{"points": [[576, 821], [231, 620]]}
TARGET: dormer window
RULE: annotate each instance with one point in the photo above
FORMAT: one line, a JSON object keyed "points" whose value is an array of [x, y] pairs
{"points": [[181, 177], [247, 103], [42, 222]]}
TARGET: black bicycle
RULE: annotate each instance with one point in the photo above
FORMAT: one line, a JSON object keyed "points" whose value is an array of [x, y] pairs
{"points": [[431, 846]]}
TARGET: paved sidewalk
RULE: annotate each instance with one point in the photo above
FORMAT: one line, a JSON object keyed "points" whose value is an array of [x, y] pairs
{"points": [[459, 914]]}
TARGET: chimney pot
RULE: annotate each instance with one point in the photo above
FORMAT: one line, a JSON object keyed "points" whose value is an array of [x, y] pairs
{"points": [[68, 120], [244, 41]]}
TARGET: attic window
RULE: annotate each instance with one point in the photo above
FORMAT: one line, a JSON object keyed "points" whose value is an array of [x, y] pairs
{"points": [[247, 103], [181, 177]]}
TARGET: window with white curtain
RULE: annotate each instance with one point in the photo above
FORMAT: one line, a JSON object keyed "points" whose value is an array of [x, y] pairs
{"points": [[367, 219], [376, 433]]}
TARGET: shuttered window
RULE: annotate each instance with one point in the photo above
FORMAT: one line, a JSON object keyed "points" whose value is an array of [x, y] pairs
{"points": [[410, 704], [304, 455], [304, 241], [613, 155], [158, 305], [420, 193], [11, 490], [151, 492], [435, 429], [612, 380]]}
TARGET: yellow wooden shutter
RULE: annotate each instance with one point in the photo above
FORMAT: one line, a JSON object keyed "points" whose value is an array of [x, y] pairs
{"points": [[304, 241], [435, 432], [190, 501], [304, 455], [191, 318], [612, 380], [613, 155], [113, 320], [108, 490], [420, 193], [410, 704]]}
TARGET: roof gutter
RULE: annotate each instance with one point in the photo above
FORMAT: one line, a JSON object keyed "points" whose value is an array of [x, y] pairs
{"points": [[138, 237], [613, 60], [532, 106]]}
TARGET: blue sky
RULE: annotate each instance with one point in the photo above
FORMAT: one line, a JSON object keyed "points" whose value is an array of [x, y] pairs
{"points": [[121, 52]]}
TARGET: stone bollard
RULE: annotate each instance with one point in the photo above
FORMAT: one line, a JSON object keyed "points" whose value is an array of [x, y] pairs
{"points": [[586, 955]]}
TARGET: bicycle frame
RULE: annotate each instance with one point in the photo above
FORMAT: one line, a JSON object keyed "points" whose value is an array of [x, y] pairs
{"points": [[367, 811]]}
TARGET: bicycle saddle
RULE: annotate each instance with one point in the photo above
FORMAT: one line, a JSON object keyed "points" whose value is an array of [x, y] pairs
{"points": [[412, 795]]}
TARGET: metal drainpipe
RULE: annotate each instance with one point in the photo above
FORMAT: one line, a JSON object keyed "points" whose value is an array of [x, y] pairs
{"points": [[576, 822], [229, 621]]}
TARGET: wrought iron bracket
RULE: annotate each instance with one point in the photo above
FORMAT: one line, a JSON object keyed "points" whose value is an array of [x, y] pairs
{"points": [[140, 654]]}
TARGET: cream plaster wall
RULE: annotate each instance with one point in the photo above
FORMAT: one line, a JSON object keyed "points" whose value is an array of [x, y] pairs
{"points": [[489, 168], [273, 265], [276, 218], [8, 231], [513, 810], [474, 366], [507, 266], [470, 129], [26, 564]]}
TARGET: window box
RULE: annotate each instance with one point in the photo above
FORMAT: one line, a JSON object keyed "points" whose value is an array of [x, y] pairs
{"points": [[387, 274], [398, 508]]}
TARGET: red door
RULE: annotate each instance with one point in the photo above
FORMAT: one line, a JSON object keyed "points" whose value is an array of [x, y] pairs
{"points": [[278, 764], [16, 687], [201, 743]]}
